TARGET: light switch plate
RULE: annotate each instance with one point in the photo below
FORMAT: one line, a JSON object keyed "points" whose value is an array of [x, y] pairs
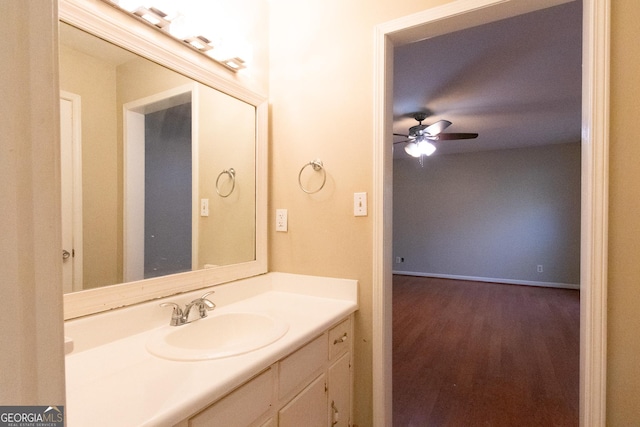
{"points": [[360, 204]]}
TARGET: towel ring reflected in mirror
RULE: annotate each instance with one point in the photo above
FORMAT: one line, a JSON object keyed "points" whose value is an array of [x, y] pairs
{"points": [[232, 177], [317, 166]]}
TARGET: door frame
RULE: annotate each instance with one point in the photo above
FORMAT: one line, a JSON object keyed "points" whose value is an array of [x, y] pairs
{"points": [[76, 177], [455, 16], [134, 173]]}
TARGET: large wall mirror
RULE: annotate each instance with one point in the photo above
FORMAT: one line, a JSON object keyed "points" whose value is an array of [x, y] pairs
{"points": [[163, 164]]}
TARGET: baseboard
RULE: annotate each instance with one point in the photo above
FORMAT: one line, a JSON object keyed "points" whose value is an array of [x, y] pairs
{"points": [[491, 280]]}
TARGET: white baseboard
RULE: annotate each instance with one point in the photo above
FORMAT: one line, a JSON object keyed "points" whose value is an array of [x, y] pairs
{"points": [[491, 280]]}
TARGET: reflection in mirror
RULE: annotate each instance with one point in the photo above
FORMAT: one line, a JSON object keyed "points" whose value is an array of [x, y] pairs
{"points": [[145, 148]]}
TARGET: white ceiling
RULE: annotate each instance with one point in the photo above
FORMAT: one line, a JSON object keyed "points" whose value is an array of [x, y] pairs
{"points": [[515, 82]]}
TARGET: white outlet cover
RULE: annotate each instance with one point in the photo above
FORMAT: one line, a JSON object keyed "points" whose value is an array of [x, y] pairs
{"points": [[282, 220]]}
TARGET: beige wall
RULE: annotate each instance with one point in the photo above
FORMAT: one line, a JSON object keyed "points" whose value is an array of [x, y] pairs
{"points": [[248, 18], [321, 92], [623, 386]]}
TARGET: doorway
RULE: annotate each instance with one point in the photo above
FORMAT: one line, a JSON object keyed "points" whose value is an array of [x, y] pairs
{"points": [[160, 238], [464, 14]]}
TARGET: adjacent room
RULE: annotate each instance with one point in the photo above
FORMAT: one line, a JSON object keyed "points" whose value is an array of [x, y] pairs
{"points": [[486, 231]]}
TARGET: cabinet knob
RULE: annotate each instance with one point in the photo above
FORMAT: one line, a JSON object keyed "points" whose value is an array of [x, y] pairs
{"points": [[341, 339]]}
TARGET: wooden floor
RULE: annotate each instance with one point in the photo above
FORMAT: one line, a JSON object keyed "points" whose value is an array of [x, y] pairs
{"points": [[484, 354]]}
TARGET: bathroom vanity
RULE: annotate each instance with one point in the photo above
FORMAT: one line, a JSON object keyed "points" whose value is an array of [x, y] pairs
{"points": [[303, 377], [277, 348]]}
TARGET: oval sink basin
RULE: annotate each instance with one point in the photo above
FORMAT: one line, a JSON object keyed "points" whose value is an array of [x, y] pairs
{"points": [[217, 336]]}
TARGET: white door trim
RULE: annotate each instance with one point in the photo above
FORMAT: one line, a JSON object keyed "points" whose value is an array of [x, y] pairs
{"points": [[76, 172], [595, 134]]}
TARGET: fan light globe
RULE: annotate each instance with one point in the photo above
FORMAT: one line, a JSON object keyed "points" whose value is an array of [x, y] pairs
{"points": [[420, 148], [412, 149], [426, 148]]}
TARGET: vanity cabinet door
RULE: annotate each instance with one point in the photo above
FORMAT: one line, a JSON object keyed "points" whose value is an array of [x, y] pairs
{"points": [[339, 384], [308, 408]]}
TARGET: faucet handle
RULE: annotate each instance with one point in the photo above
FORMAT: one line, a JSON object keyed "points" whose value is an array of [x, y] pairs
{"points": [[204, 301], [176, 315], [210, 305], [204, 304], [175, 306], [207, 294]]}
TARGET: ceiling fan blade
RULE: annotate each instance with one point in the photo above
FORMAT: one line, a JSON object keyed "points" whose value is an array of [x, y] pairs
{"points": [[401, 134], [437, 127], [452, 136], [401, 142]]}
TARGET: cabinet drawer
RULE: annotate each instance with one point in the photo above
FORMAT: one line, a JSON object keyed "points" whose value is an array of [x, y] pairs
{"points": [[339, 338], [299, 368], [233, 409]]}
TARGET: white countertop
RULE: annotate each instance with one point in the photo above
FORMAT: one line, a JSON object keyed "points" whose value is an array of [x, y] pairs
{"points": [[118, 383]]}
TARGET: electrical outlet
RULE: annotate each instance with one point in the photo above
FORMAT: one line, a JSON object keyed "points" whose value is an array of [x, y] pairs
{"points": [[540, 269], [399, 260], [204, 207], [282, 220]]}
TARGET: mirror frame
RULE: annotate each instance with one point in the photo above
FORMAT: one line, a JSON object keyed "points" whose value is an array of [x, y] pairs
{"points": [[109, 23]]}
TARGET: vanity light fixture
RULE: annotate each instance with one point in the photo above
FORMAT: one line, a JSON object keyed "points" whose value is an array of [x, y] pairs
{"points": [[201, 43], [158, 19], [234, 63], [154, 16]]}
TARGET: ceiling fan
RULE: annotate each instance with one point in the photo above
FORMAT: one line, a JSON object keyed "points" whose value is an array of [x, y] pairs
{"points": [[420, 136]]}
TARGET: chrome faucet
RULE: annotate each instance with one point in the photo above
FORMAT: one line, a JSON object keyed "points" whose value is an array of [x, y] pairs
{"points": [[181, 317]]}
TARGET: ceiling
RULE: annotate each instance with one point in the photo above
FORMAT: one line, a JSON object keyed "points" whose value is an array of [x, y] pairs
{"points": [[515, 82]]}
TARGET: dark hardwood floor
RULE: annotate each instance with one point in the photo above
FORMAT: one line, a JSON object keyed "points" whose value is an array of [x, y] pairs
{"points": [[484, 354]]}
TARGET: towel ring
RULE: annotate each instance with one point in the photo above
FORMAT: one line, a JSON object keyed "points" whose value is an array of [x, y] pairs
{"points": [[232, 175], [317, 166]]}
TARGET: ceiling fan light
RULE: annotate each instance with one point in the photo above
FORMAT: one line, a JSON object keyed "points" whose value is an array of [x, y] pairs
{"points": [[412, 149], [426, 148]]}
